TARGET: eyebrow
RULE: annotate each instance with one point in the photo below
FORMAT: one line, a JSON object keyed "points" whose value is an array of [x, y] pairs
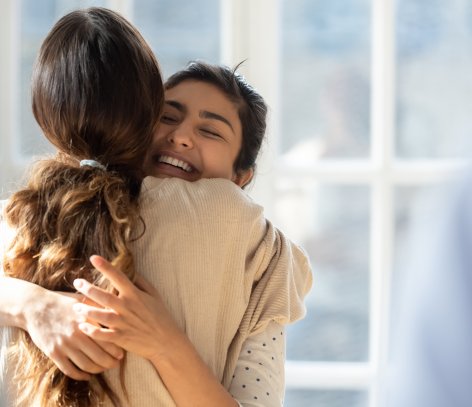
{"points": [[179, 106], [210, 115], [203, 113]]}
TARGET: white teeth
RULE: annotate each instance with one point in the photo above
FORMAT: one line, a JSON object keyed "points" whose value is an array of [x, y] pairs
{"points": [[175, 162]]}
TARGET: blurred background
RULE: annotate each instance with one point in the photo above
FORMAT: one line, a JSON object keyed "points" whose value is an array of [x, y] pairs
{"points": [[370, 111]]}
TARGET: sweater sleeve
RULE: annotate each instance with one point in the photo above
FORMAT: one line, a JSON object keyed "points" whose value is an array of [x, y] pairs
{"points": [[283, 279]]}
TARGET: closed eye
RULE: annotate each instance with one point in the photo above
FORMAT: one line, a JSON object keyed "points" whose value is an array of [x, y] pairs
{"points": [[168, 119], [212, 133]]}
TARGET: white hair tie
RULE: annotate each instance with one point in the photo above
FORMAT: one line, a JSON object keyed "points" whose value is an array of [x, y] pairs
{"points": [[92, 163]]}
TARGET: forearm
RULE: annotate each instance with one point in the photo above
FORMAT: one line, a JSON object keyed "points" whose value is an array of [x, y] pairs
{"points": [[15, 296], [188, 379], [137, 320]]}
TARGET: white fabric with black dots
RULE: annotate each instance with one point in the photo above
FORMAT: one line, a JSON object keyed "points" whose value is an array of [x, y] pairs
{"points": [[259, 378]]}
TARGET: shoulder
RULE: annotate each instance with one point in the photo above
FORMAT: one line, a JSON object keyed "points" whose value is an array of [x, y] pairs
{"points": [[214, 197], [204, 188]]}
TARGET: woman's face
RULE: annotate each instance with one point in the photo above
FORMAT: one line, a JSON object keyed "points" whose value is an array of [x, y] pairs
{"points": [[199, 135]]}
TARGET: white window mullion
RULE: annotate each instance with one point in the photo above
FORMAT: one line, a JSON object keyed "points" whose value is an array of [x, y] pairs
{"points": [[383, 156], [381, 256], [432, 171], [382, 83], [250, 32], [328, 375], [234, 33]]}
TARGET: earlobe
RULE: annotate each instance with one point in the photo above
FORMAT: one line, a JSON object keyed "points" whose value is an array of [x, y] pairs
{"points": [[242, 178]]}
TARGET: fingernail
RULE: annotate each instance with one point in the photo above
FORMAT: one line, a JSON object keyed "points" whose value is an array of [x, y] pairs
{"points": [[78, 283], [83, 327], [96, 259], [78, 308]]}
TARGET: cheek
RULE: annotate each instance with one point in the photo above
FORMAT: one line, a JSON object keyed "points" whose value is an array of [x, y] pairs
{"points": [[147, 165], [218, 162], [160, 133], [226, 163]]}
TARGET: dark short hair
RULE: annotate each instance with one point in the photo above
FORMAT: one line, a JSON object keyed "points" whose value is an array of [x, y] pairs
{"points": [[252, 109]]}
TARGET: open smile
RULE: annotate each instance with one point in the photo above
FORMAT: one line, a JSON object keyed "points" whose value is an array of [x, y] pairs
{"points": [[170, 164], [175, 162]]}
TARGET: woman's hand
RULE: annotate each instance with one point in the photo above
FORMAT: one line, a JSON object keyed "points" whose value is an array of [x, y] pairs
{"points": [[54, 328], [135, 319]]}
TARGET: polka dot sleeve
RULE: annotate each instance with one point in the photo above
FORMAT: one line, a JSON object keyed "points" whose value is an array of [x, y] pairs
{"points": [[259, 378]]}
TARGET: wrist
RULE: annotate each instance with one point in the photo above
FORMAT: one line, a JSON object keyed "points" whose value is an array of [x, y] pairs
{"points": [[170, 351], [34, 300], [16, 298], [188, 378]]}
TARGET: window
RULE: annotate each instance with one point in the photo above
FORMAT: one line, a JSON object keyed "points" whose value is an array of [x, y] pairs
{"points": [[370, 107], [179, 31]]}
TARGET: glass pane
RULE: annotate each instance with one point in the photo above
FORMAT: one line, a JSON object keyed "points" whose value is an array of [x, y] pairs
{"points": [[434, 61], [37, 18], [325, 91], [179, 30], [304, 398], [335, 233]]}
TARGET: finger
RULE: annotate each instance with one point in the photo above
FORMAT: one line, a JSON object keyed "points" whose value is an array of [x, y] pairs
{"points": [[97, 333], [113, 350], [97, 294], [101, 359], [145, 285], [107, 317], [116, 277], [95, 362], [79, 298], [84, 363], [68, 368]]}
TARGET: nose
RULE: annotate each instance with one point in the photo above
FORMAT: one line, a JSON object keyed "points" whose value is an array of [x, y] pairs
{"points": [[181, 137]]}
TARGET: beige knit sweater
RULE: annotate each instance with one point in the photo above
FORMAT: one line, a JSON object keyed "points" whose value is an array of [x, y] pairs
{"points": [[222, 270]]}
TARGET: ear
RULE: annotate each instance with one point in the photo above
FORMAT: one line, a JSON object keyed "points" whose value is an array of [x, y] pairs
{"points": [[242, 178]]}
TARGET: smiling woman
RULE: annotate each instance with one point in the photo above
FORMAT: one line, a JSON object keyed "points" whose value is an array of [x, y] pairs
{"points": [[216, 136], [197, 137]]}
